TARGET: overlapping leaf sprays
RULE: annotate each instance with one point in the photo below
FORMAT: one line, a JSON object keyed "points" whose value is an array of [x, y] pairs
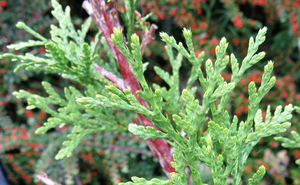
{"points": [[69, 56], [105, 15], [224, 147]]}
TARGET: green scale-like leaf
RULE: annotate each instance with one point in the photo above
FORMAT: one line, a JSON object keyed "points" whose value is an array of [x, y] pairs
{"points": [[142, 181], [224, 148], [257, 176], [77, 135], [147, 133], [273, 126]]}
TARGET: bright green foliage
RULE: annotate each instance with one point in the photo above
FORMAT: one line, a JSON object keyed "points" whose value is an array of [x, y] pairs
{"points": [[288, 143], [68, 55], [148, 133], [73, 60], [236, 141], [171, 96], [179, 165], [142, 181], [257, 176], [129, 16], [224, 147]]}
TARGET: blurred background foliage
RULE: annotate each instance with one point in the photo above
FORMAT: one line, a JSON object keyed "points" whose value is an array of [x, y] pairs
{"points": [[108, 158]]}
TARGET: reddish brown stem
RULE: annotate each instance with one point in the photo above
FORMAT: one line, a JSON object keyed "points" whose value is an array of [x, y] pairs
{"points": [[119, 82], [46, 180], [148, 35], [106, 17]]}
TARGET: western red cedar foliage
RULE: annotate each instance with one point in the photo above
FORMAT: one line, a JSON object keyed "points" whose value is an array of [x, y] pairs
{"points": [[115, 92]]}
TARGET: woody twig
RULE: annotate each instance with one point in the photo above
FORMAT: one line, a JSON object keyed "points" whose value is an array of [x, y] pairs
{"points": [[106, 17]]}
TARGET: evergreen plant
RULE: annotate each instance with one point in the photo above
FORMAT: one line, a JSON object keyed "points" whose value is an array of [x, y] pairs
{"points": [[116, 92]]}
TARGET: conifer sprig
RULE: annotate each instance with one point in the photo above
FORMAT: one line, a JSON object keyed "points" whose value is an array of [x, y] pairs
{"points": [[236, 141], [289, 143], [68, 55], [171, 115], [107, 21]]}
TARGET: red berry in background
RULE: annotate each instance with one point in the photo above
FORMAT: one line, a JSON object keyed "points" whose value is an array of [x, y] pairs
{"points": [[260, 2], [42, 50], [236, 18], [162, 16], [100, 152], [235, 41], [135, 121], [294, 27], [3, 3], [203, 25], [149, 6], [273, 144], [29, 114], [23, 130], [237, 112], [214, 40], [8, 156], [173, 12]]}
